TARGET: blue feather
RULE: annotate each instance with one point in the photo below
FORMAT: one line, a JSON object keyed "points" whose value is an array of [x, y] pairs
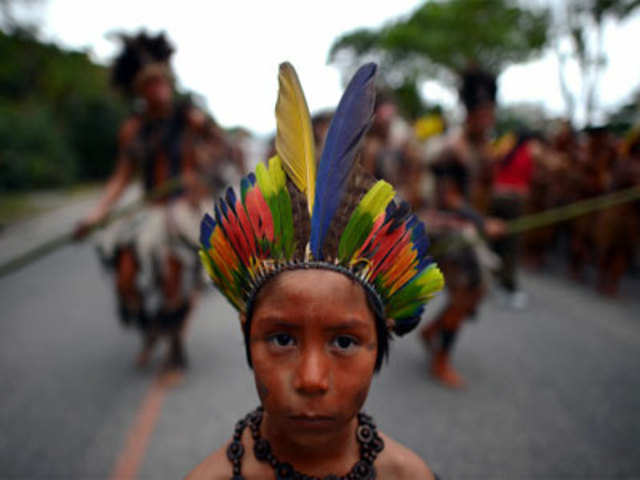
{"points": [[424, 263], [231, 199], [348, 127], [225, 209], [398, 216], [207, 226]]}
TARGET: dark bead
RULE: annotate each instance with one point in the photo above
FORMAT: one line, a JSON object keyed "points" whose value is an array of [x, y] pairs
{"points": [[377, 445], [284, 471], [237, 477], [364, 418], [254, 418], [364, 434], [363, 469], [235, 450], [261, 449]]}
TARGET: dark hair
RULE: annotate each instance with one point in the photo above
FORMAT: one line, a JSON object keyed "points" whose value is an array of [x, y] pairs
{"points": [[478, 88], [452, 169], [138, 50], [383, 335]]}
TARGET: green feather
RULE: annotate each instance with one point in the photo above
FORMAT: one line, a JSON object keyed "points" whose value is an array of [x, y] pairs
{"points": [[422, 287], [284, 202], [357, 230], [228, 290]]}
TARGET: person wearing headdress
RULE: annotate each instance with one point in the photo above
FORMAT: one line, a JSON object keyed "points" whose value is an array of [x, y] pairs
{"points": [[178, 152], [324, 266], [461, 166]]}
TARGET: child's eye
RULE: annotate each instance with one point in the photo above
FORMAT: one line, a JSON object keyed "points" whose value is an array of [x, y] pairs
{"points": [[344, 342], [282, 340]]}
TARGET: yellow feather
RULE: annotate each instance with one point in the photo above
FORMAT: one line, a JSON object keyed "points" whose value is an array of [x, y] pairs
{"points": [[294, 140]]}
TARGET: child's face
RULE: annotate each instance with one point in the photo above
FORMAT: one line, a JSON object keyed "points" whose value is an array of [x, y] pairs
{"points": [[313, 345]]}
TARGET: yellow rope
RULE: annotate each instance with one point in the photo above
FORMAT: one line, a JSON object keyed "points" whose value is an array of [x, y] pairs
{"points": [[518, 225]]}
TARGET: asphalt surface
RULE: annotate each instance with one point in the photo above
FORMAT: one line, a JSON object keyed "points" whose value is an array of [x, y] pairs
{"points": [[554, 390]]}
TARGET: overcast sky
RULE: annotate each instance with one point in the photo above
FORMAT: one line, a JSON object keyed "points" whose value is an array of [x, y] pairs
{"points": [[229, 51]]}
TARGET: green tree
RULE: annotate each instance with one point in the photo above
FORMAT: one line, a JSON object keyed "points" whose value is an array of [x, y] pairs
{"points": [[441, 38], [58, 115]]}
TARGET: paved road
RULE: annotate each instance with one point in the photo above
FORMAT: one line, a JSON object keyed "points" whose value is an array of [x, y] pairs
{"points": [[554, 391]]}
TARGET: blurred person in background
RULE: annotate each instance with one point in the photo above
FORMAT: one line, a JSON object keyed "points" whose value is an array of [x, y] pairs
{"points": [[320, 122], [462, 168], [617, 230], [550, 187], [593, 177], [513, 171], [178, 152], [378, 158], [391, 151]]}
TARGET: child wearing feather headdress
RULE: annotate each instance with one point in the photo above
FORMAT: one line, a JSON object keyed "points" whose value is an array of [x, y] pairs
{"points": [[323, 267]]}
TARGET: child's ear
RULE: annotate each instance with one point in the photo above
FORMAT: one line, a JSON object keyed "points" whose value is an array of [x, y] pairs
{"points": [[391, 324], [243, 319]]}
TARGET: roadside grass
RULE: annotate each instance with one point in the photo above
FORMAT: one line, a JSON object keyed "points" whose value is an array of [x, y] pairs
{"points": [[18, 206]]}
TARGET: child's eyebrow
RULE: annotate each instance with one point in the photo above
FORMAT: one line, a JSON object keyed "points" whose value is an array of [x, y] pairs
{"points": [[347, 325], [277, 322]]}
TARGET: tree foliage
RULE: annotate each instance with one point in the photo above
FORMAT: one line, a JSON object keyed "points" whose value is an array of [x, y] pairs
{"points": [[442, 38], [58, 115]]}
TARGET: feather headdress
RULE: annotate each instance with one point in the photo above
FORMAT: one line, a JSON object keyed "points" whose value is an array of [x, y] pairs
{"points": [[297, 213]]}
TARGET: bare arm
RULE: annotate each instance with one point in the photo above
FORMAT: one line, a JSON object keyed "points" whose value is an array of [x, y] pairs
{"points": [[116, 183], [113, 190]]}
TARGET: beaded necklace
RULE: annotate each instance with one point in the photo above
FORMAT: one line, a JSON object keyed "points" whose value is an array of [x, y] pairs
{"points": [[367, 435]]}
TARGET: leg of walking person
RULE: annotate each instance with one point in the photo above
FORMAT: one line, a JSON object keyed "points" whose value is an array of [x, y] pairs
{"points": [[174, 314], [131, 303]]}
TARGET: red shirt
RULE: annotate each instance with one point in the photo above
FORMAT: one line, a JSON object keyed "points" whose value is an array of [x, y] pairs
{"points": [[513, 175]]}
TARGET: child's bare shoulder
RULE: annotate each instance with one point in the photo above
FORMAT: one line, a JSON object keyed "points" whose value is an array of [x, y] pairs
{"points": [[398, 462], [215, 467]]}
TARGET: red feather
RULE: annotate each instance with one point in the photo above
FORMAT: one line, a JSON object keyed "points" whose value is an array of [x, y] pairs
{"points": [[259, 214], [386, 249], [245, 224]]}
